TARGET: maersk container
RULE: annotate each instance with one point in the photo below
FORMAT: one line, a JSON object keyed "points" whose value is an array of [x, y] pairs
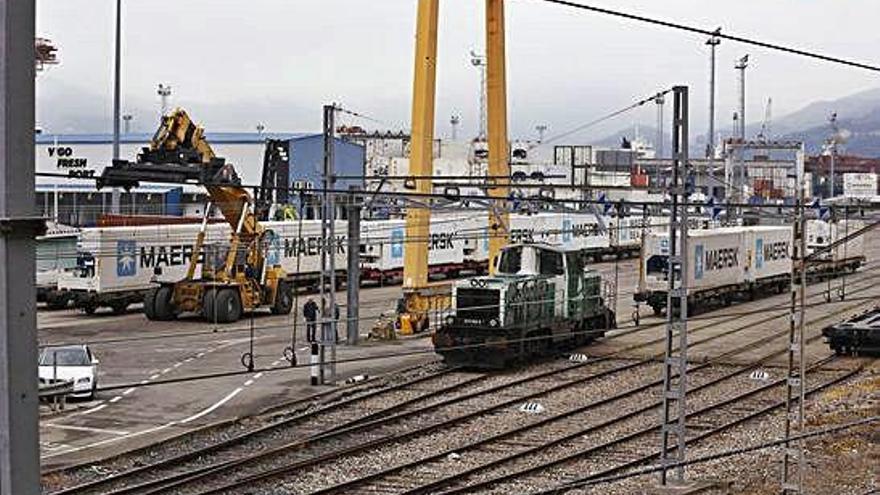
{"points": [[722, 262], [768, 252], [116, 265], [383, 242]]}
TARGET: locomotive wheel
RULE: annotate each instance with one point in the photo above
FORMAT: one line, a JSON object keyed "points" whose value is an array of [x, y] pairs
{"points": [[228, 306], [283, 299], [163, 306]]}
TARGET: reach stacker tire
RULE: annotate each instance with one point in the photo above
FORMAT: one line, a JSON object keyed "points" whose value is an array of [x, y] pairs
{"points": [[283, 300], [228, 305], [158, 304]]}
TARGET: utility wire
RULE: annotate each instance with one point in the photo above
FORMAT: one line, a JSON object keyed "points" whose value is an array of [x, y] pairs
{"points": [[716, 33], [602, 119]]}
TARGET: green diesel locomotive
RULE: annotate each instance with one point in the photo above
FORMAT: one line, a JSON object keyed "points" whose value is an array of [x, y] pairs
{"points": [[541, 299]]}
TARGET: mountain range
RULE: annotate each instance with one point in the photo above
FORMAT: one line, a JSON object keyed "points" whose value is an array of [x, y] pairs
{"points": [[858, 117]]}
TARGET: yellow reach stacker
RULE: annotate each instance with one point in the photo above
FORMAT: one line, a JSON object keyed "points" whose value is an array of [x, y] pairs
{"points": [[420, 299], [231, 283]]}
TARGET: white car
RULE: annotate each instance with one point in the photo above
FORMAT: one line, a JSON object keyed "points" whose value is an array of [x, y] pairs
{"points": [[75, 363]]}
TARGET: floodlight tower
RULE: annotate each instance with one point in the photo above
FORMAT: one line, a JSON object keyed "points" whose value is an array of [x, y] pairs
{"points": [[741, 66], [454, 120], [164, 93], [541, 128], [127, 120], [713, 43], [479, 61], [660, 101]]}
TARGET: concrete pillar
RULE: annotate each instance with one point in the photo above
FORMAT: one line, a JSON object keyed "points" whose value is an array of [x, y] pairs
{"points": [[19, 438]]}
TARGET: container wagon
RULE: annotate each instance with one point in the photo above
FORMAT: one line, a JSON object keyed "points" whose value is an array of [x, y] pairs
{"points": [[724, 264], [859, 335], [116, 266]]}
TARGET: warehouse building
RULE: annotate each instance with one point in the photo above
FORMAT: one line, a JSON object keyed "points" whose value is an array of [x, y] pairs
{"points": [[66, 193]]}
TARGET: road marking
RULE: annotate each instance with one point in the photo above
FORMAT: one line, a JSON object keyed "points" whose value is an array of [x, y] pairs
{"points": [[249, 382], [200, 354], [213, 407], [276, 363], [115, 399], [166, 370], [109, 440], [258, 375], [88, 429], [188, 359], [144, 382], [177, 365], [154, 376], [94, 409], [128, 391]]}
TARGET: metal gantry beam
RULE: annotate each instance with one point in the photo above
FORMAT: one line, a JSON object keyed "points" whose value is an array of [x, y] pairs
{"points": [[673, 431], [19, 441], [499, 154], [421, 164]]}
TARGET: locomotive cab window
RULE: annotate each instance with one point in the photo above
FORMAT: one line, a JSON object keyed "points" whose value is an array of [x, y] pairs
{"points": [[511, 260], [657, 264], [551, 262]]}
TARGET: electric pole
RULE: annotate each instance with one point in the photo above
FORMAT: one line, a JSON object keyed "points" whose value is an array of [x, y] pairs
{"points": [[673, 431], [328, 252], [117, 75], [795, 384]]}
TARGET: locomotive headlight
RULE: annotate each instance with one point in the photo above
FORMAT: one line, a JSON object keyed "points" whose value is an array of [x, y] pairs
{"points": [[450, 320], [493, 323]]}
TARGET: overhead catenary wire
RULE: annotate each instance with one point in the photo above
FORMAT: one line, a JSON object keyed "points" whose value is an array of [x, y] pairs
{"points": [[717, 33]]}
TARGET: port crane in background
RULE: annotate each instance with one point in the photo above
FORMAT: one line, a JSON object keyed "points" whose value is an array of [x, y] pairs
{"points": [[419, 298], [240, 280]]}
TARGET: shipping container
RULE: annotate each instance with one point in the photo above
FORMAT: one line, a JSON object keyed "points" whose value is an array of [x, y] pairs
{"points": [[723, 264]]}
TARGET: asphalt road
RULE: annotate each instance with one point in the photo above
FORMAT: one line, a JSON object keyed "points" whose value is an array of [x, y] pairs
{"points": [[142, 353]]}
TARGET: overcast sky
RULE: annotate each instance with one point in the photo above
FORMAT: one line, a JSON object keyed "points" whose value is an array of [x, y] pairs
{"points": [[237, 63]]}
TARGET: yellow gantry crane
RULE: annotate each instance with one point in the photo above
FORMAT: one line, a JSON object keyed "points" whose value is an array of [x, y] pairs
{"points": [[419, 297]]}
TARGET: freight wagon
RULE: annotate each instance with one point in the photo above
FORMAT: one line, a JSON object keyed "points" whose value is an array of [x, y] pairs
{"points": [[452, 240], [117, 265], [734, 263], [724, 264]]}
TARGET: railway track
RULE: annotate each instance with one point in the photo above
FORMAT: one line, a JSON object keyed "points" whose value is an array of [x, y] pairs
{"points": [[631, 444], [269, 475], [209, 461]]}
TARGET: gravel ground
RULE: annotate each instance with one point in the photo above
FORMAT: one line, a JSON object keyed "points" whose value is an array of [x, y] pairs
{"points": [[611, 457], [844, 464], [454, 438]]}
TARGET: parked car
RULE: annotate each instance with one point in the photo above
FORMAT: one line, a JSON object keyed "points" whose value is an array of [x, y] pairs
{"points": [[75, 363]]}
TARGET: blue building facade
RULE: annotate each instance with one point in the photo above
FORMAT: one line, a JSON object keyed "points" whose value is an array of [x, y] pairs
{"points": [[307, 169]]}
